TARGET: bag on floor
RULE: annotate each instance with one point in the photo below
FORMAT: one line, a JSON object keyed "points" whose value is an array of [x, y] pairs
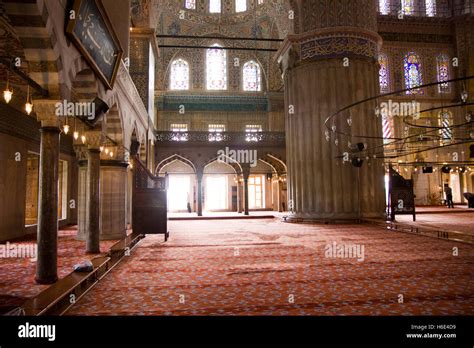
{"points": [[85, 266]]}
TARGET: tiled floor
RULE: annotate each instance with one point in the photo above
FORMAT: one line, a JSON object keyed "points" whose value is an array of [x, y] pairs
{"points": [[17, 275], [267, 267]]}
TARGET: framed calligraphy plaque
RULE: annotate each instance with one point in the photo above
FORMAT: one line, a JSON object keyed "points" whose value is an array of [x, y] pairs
{"points": [[90, 30]]}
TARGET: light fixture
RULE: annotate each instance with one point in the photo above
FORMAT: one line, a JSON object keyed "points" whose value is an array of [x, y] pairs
{"points": [[7, 93], [28, 104], [83, 139], [106, 151], [75, 135], [101, 148], [66, 128], [111, 154]]}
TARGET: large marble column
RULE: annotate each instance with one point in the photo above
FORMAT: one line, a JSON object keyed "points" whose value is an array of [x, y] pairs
{"points": [[113, 192], [93, 194], [329, 63], [47, 238]]}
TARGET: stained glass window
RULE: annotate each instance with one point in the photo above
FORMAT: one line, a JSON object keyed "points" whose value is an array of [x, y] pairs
{"points": [[240, 5], [408, 7], [443, 73], [430, 8], [190, 4], [384, 7], [179, 77], [384, 77], [216, 69], [251, 76], [445, 122], [215, 6], [413, 78]]}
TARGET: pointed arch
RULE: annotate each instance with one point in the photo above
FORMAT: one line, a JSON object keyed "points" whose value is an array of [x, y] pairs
{"points": [[173, 158]]}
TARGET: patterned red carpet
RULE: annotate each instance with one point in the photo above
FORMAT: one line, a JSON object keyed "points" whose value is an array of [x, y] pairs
{"points": [[266, 267], [17, 275]]}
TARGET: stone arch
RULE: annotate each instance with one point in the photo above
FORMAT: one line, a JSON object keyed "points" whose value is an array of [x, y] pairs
{"points": [[234, 165], [113, 128], [41, 47], [277, 163], [274, 170], [174, 158]]}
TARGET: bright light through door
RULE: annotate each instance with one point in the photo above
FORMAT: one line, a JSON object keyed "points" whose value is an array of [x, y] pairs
{"points": [[216, 193], [178, 192], [256, 191]]}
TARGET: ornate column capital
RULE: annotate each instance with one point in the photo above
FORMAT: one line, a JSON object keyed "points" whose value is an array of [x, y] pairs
{"points": [[45, 110], [81, 152], [327, 43], [93, 139]]}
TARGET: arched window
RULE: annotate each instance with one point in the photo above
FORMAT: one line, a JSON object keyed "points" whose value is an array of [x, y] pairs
{"points": [[384, 7], [216, 68], [442, 63], [215, 6], [179, 76], [430, 8], [445, 122], [413, 78], [190, 4], [240, 5], [408, 7], [384, 75], [251, 77]]}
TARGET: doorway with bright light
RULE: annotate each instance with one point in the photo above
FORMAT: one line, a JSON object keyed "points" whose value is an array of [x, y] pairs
{"points": [[179, 193], [216, 193]]}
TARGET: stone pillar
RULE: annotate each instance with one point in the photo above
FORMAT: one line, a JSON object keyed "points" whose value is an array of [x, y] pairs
{"points": [[239, 195], [47, 238], [246, 174], [199, 176], [113, 199], [330, 63], [93, 194], [81, 154]]}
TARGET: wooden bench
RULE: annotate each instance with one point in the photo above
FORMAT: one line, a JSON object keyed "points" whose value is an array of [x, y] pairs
{"points": [[56, 299]]}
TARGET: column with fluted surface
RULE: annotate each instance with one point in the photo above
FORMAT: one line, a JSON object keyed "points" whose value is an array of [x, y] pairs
{"points": [[329, 63]]}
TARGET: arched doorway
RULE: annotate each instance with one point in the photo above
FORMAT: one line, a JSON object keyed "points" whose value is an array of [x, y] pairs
{"points": [[181, 191]]}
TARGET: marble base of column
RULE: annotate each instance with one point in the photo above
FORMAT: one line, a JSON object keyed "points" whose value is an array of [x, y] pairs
{"points": [[47, 254]]}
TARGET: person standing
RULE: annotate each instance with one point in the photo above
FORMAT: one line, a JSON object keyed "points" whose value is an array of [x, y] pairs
{"points": [[449, 196]]}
